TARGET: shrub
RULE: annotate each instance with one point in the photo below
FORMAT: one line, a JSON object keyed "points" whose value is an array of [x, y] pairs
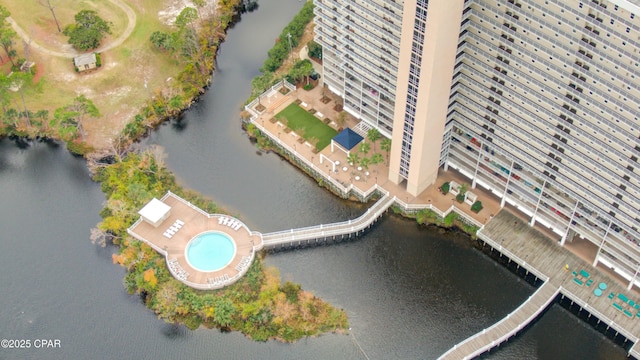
{"points": [[476, 207], [308, 87], [445, 188], [314, 50], [291, 291], [427, 216], [460, 197]]}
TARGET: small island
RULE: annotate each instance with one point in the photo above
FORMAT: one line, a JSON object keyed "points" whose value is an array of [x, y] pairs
{"points": [[257, 304], [100, 90]]}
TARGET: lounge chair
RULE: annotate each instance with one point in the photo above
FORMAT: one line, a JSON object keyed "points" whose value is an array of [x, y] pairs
{"points": [[180, 222], [220, 219]]}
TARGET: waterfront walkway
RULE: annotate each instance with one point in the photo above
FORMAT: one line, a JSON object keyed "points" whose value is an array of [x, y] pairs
{"points": [[505, 328], [324, 232], [509, 236]]}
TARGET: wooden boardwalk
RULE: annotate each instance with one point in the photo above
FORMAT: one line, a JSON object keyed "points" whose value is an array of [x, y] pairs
{"points": [[546, 259], [323, 232], [505, 328]]}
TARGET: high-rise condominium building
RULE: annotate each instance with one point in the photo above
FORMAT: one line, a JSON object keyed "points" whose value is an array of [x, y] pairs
{"points": [[537, 101]]}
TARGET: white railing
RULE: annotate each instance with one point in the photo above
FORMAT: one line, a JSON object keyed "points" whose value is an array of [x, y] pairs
{"points": [[509, 333], [345, 190], [576, 299], [440, 213], [267, 93], [328, 230], [179, 277]]}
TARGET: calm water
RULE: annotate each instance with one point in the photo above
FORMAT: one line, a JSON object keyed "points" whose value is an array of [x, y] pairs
{"points": [[409, 293]]}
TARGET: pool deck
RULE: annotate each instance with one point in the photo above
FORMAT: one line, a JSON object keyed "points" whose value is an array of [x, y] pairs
{"points": [[196, 222]]}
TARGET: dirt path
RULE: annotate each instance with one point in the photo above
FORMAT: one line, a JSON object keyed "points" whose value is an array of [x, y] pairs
{"points": [[131, 16]]}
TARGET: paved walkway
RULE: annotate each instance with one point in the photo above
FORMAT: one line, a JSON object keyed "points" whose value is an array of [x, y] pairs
{"points": [[71, 53]]}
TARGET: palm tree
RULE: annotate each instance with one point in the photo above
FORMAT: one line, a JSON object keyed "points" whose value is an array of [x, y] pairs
{"points": [[353, 159], [376, 159], [365, 165], [365, 147], [385, 145], [373, 135]]}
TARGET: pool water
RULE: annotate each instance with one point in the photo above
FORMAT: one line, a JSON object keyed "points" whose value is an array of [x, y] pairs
{"points": [[210, 251]]}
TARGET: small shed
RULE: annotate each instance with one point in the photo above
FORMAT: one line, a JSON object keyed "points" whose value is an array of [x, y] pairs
{"points": [[85, 62], [347, 139], [155, 212]]}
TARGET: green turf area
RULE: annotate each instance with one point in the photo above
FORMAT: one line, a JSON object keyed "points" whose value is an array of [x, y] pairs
{"points": [[308, 126]]}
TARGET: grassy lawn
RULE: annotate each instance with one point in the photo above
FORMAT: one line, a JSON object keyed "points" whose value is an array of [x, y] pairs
{"points": [[117, 88], [308, 126]]}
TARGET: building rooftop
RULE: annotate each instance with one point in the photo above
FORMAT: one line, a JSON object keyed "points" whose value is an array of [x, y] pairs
{"points": [[84, 59]]}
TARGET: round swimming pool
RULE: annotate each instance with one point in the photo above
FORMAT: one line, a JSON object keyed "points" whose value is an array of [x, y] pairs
{"points": [[210, 251]]}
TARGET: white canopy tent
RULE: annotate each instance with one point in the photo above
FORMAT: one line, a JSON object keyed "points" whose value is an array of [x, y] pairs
{"points": [[155, 212]]}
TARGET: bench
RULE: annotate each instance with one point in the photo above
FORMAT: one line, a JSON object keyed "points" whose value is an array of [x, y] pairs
{"points": [[617, 306], [577, 281]]}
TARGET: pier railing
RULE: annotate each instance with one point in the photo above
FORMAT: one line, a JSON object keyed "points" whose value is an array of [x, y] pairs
{"points": [[509, 326], [583, 304], [325, 231]]}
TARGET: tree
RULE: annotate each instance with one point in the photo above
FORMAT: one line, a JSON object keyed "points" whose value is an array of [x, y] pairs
{"points": [[301, 69], [261, 83], [307, 69], [224, 311], [314, 49], [365, 162], [373, 135], [186, 17], [88, 30], [5, 96], [70, 118], [353, 159], [385, 145], [365, 147], [376, 159], [6, 35], [162, 40], [20, 80], [47, 4]]}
